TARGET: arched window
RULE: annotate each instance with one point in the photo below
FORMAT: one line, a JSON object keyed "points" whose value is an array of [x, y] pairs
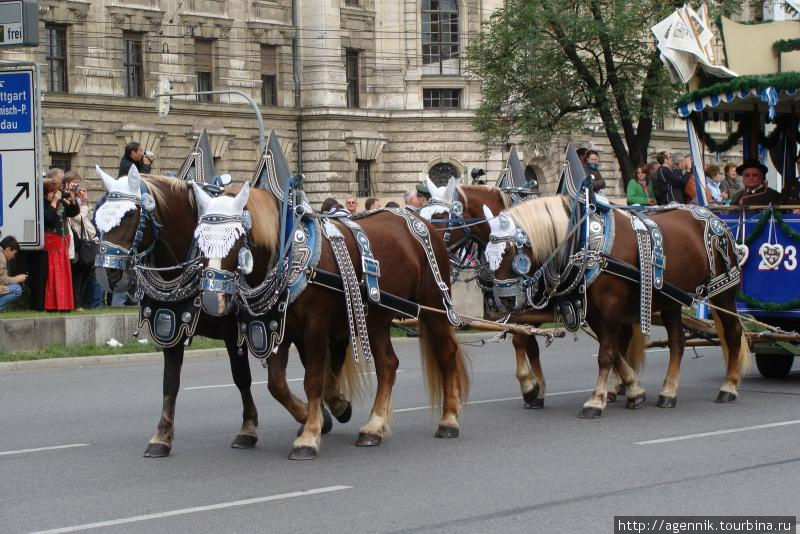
{"points": [[440, 50], [441, 173]]}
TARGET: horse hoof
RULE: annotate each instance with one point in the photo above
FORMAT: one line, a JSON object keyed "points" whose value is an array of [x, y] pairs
{"points": [[530, 397], [666, 402], [345, 416], [446, 432], [365, 439], [611, 396], [303, 453], [590, 413], [327, 421], [535, 404], [157, 450], [636, 402], [243, 441], [726, 396]]}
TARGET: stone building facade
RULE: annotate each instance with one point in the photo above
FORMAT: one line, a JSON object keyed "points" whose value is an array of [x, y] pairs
{"points": [[367, 96]]}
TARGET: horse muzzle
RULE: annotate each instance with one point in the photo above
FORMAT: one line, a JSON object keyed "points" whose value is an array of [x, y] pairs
{"points": [[217, 289]]}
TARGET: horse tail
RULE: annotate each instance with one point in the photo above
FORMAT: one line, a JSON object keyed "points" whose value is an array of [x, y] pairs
{"points": [[634, 354], [353, 378], [434, 344], [744, 347]]}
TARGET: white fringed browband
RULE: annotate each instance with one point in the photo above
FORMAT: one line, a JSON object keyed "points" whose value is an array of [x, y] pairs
{"points": [[433, 209], [217, 239], [494, 254], [111, 213]]}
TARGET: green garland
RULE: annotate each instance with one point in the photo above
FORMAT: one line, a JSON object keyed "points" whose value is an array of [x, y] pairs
{"points": [[780, 81], [794, 236], [786, 45], [722, 146]]}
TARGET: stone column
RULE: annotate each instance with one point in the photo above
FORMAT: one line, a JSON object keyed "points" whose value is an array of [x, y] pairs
{"points": [[323, 75]]}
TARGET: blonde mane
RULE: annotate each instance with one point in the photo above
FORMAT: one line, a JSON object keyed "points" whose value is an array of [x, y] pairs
{"points": [[161, 186], [266, 218], [545, 220]]}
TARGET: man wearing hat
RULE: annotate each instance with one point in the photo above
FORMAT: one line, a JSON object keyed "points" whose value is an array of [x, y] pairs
{"points": [[756, 192], [423, 195]]}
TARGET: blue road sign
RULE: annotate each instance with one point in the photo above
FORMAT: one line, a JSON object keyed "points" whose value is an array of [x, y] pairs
{"points": [[16, 102]]}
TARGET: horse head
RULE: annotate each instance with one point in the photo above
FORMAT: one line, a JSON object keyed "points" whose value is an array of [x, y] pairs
{"points": [[507, 260], [221, 236], [120, 221]]}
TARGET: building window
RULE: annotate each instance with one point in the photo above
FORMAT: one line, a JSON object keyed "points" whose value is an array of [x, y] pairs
{"points": [[132, 64], [59, 160], [269, 76], [55, 46], [351, 67], [441, 98], [440, 50], [353, 3], [441, 173], [362, 178], [204, 65]]}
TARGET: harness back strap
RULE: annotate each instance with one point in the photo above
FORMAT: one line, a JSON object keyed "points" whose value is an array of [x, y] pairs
{"points": [[370, 267], [333, 281], [629, 272], [352, 293]]}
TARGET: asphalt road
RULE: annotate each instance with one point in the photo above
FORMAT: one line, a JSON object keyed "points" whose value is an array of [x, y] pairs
{"points": [[511, 470]]}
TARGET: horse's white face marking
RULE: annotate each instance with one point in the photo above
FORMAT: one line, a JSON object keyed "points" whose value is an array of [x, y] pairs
{"points": [[500, 227], [216, 240], [110, 214]]}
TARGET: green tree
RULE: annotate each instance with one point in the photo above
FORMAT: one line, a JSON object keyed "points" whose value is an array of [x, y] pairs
{"points": [[549, 67]]}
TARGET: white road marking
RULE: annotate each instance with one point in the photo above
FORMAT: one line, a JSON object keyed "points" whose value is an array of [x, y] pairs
{"points": [[719, 432], [39, 449], [215, 386], [194, 509], [487, 401]]}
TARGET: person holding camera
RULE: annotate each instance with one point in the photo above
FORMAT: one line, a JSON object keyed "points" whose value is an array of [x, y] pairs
{"points": [[135, 155], [10, 286], [670, 180], [59, 205], [87, 293]]}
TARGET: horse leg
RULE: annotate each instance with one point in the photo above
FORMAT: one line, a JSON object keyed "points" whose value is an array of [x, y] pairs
{"points": [[529, 370], [629, 383], [448, 378], [735, 348], [160, 444], [240, 369], [314, 353], [386, 363], [340, 406], [607, 334], [671, 317], [616, 384], [279, 388]]}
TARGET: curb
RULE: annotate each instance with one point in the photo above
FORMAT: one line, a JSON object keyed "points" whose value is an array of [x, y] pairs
{"points": [[150, 357]]}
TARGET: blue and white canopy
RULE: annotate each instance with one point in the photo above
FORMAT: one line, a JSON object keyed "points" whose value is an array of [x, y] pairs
{"points": [[740, 100]]}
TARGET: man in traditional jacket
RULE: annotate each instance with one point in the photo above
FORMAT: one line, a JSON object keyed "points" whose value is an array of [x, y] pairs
{"points": [[756, 192]]}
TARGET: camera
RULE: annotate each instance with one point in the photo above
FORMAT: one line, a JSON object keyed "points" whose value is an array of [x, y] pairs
{"points": [[65, 193]]}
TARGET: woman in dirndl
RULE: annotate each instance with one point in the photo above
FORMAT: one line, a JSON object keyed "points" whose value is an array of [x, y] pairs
{"points": [[58, 207]]}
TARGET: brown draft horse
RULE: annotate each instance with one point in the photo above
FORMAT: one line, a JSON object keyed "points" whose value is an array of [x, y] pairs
{"points": [[473, 198], [176, 213], [319, 314], [614, 302]]}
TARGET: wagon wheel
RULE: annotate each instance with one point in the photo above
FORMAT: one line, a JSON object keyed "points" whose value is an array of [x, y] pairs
{"points": [[774, 365]]}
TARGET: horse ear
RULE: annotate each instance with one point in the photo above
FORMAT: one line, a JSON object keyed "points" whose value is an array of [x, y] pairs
{"points": [[487, 213], [450, 192], [203, 199], [494, 225], [432, 189], [134, 179], [108, 181], [241, 199]]}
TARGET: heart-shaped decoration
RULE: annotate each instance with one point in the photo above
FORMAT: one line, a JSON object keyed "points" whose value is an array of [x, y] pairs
{"points": [[742, 253], [772, 254]]}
